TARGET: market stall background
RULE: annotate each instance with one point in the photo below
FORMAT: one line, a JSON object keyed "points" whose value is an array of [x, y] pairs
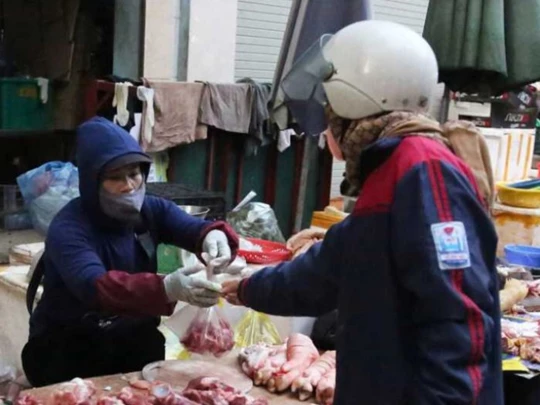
{"points": [[78, 44]]}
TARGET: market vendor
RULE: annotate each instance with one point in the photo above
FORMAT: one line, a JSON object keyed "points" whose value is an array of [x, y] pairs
{"points": [[102, 298], [412, 269]]}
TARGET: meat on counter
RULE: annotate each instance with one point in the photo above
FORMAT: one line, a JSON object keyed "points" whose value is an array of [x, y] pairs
{"points": [[200, 391], [295, 365]]}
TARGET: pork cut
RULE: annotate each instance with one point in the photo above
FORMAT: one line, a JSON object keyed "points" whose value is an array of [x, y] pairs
{"points": [[109, 400], [261, 361], [301, 353], [209, 333], [326, 388], [28, 399], [306, 384], [74, 392], [212, 391]]}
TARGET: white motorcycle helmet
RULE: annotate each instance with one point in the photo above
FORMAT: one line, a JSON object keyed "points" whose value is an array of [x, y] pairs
{"points": [[365, 69]]}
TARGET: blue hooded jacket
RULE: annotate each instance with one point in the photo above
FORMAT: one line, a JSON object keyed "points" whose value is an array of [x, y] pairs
{"points": [[94, 263]]}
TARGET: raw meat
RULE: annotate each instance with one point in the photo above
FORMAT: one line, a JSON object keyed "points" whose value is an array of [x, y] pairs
{"points": [[295, 365], [75, 392], [110, 401], [211, 391], [534, 288], [530, 349], [308, 381], [165, 395], [130, 398], [275, 361], [514, 292], [28, 399], [261, 361], [326, 388], [209, 333], [139, 384], [301, 353]]}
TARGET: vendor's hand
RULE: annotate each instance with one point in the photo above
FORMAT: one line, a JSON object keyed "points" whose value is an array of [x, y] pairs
{"points": [[182, 286], [216, 245], [229, 290]]}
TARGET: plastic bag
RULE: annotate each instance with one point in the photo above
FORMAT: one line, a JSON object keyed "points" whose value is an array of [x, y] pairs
{"points": [[256, 220], [7, 376], [209, 333], [255, 328], [47, 189]]}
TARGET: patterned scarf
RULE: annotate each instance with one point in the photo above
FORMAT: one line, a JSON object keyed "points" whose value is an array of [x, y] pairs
{"points": [[354, 136]]}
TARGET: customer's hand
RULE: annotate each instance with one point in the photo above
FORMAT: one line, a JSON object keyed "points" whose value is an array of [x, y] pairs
{"points": [[183, 286], [229, 290]]}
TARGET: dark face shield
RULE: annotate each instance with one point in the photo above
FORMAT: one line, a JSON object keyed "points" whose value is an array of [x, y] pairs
{"points": [[304, 81]]}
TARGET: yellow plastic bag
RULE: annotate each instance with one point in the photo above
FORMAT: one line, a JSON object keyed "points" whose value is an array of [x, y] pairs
{"points": [[254, 328]]}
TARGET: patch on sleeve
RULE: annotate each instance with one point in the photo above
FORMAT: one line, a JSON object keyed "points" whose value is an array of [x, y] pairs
{"points": [[451, 245]]}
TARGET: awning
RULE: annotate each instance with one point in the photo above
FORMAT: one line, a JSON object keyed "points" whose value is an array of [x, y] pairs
{"points": [[485, 46]]}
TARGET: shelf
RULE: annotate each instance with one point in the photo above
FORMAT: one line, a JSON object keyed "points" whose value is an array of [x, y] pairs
{"points": [[26, 134], [477, 99]]}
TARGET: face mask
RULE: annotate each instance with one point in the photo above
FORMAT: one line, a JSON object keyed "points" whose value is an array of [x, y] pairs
{"points": [[124, 207]]}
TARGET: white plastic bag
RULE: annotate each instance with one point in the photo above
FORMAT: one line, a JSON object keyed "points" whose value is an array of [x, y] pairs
{"points": [[7, 376], [47, 189]]}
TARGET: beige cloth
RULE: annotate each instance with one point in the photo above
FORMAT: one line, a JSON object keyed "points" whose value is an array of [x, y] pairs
{"points": [[227, 107], [176, 108], [469, 144]]}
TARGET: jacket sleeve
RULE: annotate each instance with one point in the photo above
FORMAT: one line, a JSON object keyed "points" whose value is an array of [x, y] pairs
{"points": [[306, 286], [177, 228], [85, 276], [449, 303]]}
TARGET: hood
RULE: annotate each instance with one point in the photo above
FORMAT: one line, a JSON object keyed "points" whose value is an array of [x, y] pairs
{"points": [[99, 141]]}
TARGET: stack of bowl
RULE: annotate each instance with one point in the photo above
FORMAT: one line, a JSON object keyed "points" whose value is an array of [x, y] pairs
{"points": [[517, 219]]}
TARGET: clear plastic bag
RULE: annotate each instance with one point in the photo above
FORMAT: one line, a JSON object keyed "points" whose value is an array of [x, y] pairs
{"points": [[47, 189], [7, 376], [255, 328], [256, 220], [209, 333]]}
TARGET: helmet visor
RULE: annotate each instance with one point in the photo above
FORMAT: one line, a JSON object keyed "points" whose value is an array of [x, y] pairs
{"points": [[304, 81]]}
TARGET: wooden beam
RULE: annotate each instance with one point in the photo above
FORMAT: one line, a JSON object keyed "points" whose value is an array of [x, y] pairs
{"points": [[210, 159], [240, 172], [270, 175], [298, 160]]}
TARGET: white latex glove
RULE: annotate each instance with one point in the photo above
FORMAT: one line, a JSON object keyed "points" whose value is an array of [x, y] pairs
{"points": [[234, 268], [182, 286], [216, 245]]}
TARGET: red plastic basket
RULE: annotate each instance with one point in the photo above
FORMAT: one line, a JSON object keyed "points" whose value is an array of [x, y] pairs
{"points": [[272, 252]]}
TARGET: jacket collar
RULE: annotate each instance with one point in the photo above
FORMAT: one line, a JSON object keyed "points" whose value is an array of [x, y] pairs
{"points": [[375, 155]]}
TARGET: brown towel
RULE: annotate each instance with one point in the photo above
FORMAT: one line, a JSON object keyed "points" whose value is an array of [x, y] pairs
{"points": [[176, 108], [227, 107]]}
